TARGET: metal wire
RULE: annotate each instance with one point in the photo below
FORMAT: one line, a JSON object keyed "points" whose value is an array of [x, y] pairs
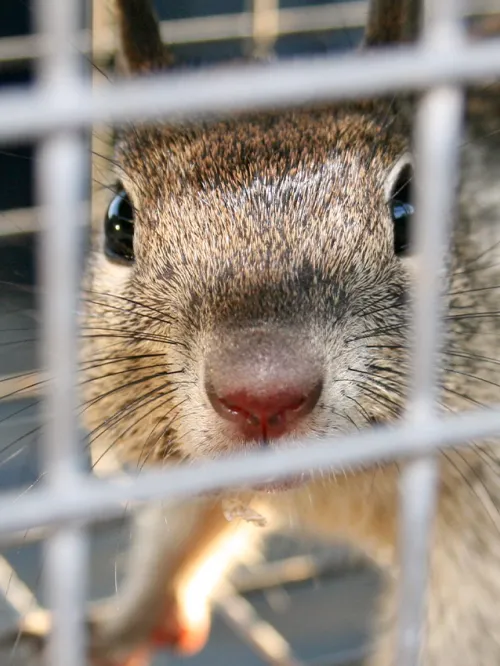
{"points": [[437, 136], [55, 111], [60, 175], [203, 29], [92, 499], [182, 97]]}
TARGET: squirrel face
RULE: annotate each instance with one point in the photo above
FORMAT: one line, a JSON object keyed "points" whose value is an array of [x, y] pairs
{"points": [[265, 292], [252, 285]]}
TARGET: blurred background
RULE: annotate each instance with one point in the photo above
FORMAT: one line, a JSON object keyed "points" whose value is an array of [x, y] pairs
{"points": [[318, 600]]}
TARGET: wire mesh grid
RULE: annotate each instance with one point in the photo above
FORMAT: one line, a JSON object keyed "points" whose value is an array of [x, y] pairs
{"points": [[56, 110]]}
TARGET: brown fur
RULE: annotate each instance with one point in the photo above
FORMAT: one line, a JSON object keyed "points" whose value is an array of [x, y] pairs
{"points": [[280, 221]]}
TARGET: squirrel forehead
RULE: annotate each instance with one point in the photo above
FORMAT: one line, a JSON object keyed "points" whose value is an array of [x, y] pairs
{"points": [[244, 204], [355, 141]]}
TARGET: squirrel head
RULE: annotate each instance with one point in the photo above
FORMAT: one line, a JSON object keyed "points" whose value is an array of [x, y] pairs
{"points": [[253, 272]]}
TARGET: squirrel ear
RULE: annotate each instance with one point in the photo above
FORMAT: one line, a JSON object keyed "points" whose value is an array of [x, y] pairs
{"points": [[141, 47], [392, 22]]}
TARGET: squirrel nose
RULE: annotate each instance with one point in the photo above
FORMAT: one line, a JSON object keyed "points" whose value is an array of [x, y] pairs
{"points": [[269, 413], [264, 382]]}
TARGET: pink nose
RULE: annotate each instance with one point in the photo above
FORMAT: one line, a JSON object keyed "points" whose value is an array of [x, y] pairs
{"points": [[269, 413], [264, 381]]}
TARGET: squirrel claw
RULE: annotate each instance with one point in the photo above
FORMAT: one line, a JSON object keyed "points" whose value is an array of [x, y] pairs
{"points": [[184, 638]]}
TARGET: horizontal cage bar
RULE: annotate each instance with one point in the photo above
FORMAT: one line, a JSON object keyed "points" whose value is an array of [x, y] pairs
{"points": [[182, 97]]}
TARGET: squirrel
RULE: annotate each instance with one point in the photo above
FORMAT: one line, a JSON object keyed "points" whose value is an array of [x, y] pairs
{"points": [[249, 286]]}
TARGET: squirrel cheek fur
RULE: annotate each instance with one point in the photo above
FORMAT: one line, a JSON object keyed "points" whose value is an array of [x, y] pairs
{"points": [[264, 257]]}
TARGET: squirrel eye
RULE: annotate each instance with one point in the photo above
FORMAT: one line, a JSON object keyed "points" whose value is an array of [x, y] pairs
{"points": [[402, 211], [119, 229]]}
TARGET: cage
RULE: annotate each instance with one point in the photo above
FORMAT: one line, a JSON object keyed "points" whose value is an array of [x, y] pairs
{"points": [[59, 503]]}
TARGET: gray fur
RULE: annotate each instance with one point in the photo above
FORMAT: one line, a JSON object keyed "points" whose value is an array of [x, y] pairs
{"points": [[281, 222]]}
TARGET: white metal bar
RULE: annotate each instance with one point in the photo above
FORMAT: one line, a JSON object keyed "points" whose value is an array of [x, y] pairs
{"points": [[65, 565], [418, 498], [60, 177], [91, 499], [296, 20], [265, 28], [60, 107], [181, 97], [60, 171], [60, 174], [436, 145]]}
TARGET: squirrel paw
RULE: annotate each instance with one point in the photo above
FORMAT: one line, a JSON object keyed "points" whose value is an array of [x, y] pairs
{"points": [[183, 632]]}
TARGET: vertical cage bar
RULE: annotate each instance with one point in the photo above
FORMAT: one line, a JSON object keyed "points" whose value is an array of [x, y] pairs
{"points": [[60, 175], [436, 143], [265, 28], [437, 140]]}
